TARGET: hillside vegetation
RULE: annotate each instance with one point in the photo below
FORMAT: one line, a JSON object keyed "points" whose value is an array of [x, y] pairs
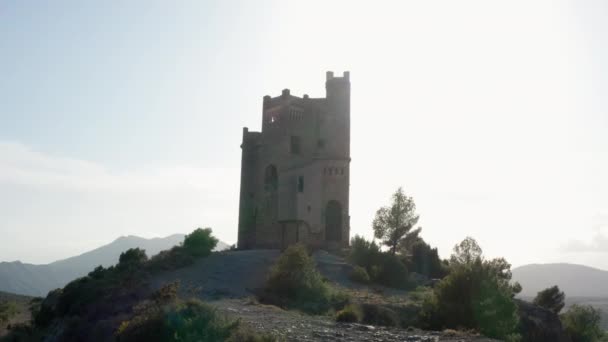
{"points": [[118, 303], [37, 280]]}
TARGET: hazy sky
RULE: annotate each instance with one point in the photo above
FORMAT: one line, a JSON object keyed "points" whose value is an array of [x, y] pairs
{"points": [[125, 117]]}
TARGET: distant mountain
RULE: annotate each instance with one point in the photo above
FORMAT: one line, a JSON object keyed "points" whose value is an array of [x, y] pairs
{"points": [[574, 280], [38, 280]]}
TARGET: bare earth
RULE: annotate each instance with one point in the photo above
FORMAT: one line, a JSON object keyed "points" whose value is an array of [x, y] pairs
{"points": [[227, 280]]}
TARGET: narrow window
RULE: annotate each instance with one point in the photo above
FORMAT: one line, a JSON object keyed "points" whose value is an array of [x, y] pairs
{"points": [[295, 145], [300, 183]]}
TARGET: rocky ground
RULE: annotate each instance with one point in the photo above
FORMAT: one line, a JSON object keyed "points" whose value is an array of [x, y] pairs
{"points": [[294, 326], [23, 313], [228, 274], [229, 279]]}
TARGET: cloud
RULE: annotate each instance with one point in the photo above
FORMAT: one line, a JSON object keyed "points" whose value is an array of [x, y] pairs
{"points": [[20, 165], [59, 206], [598, 244]]}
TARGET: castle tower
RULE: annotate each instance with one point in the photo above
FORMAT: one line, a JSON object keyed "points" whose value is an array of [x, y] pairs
{"points": [[295, 172]]}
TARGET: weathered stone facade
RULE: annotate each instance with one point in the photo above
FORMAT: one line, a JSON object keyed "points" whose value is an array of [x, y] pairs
{"points": [[295, 172]]}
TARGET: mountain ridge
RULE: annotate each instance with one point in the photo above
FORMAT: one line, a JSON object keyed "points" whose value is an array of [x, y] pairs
{"points": [[38, 279], [574, 279]]}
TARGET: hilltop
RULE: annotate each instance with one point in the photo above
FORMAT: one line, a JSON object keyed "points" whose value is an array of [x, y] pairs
{"points": [[37, 280], [574, 280]]}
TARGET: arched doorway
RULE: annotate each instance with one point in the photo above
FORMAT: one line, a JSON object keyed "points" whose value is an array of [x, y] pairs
{"points": [[333, 221]]}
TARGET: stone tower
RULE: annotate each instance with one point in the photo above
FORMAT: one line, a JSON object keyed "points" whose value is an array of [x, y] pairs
{"points": [[295, 172]]}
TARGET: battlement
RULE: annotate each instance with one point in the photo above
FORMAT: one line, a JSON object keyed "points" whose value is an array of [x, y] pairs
{"points": [[329, 75]]}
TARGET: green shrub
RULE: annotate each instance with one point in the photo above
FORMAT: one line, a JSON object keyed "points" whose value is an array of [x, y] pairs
{"points": [[88, 307], [363, 253], [167, 318], [475, 295], [200, 242], [382, 267], [582, 323], [551, 298], [379, 315], [7, 310], [131, 259], [132, 256], [393, 273], [350, 314], [425, 260], [294, 282], [188, 321], [359, 274], [420, 293], [172, 259]]}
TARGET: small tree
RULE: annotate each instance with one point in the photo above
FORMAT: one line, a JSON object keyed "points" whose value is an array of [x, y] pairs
{"points": [[551, 298], [582, 323], [200, 242], [466, 252], [394, 222], [476, 294]]}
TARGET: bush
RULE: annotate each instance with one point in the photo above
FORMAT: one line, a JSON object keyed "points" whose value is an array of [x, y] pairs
{"points": [[350, 314], [131, 258], [393, 272], [425, 260], [89, 307], [167, 318], [359, 274], [188, 321], [550, 298], [475, 295], [7, 311], [44, 310], [582, 323], [174, 258], [200, 242], [294, 282], [382, 267], [363, 253], [379, 315], [420, 293]]}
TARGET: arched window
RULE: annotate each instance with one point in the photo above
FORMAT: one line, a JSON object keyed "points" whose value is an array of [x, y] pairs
{"points": [[333, 221], [271, 178]]}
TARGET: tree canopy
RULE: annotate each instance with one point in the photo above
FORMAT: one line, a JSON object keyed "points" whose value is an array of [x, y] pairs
{"points": [[200, 242], [551, 298], [392, 224]]}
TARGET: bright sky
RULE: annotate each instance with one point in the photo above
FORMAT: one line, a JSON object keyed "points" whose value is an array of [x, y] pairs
{"points": [[125, 117]]}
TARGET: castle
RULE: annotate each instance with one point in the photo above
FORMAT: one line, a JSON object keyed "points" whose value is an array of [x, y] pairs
{"points": [[295, 172]]}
